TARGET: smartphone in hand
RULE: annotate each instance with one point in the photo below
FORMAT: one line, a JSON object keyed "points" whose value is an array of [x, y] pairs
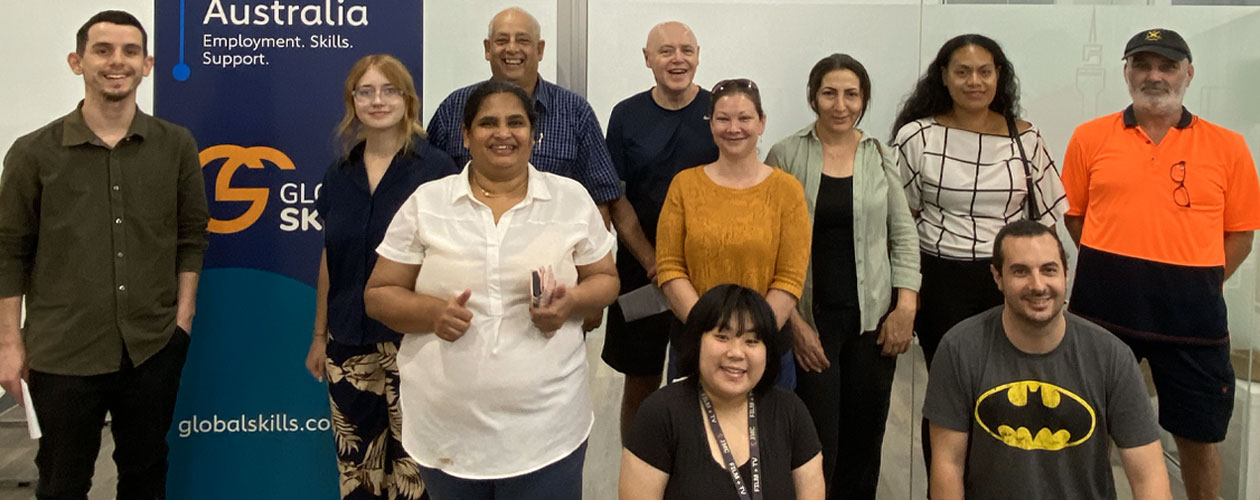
{"points": [[542, 286]]}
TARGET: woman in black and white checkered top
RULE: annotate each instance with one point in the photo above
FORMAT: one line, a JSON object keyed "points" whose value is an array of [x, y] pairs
{"points": [[965, 178]]}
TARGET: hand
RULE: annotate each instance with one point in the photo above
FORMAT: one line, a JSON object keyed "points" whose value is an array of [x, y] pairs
{"points": [[184, 321], [896, 333], [649, 265], [590, 323], [316, 355], [13, 369], [549, 319], [453, 322], [807, 348]]}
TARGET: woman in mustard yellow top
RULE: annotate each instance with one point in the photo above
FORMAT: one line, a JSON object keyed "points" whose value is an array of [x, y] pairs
{"points": [[736, 220]]}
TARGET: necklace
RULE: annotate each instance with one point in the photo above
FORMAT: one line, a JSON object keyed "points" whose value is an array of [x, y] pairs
{"points": [[487, 193]]}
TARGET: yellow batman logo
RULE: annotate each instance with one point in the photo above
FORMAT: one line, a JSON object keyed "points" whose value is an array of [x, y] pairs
{"points": [[1060, 420], [1154, 36]]}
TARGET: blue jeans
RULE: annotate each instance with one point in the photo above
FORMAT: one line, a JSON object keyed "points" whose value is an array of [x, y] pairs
{"points": [[559, 481]]}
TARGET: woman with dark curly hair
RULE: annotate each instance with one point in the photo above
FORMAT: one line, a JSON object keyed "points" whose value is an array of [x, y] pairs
{"points": [[968, 164]]}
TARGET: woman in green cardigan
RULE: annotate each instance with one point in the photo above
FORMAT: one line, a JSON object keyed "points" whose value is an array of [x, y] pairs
{"points": [[861, 293]]}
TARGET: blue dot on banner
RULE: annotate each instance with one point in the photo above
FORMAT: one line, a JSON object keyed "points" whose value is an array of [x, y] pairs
{"points": [[181, 72]]}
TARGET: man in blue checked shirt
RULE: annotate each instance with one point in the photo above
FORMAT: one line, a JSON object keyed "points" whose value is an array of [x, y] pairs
{"points": [[570, 141]]}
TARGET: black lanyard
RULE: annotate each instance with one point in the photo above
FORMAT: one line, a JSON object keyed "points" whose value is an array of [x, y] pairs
{"points": [[754, 455]]}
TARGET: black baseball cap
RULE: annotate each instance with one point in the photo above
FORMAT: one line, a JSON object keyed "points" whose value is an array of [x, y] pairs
{"points": [[1161, 41]]}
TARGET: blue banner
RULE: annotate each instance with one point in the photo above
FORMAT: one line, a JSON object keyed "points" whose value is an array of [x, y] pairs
{"points": [[260, 86]]}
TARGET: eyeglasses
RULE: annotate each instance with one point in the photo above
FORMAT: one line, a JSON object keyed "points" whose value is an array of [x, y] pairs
{"points": [[368, 94], [735, 83], [1181, 195]]}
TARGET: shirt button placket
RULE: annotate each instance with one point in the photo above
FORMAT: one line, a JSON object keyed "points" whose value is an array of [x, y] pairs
{"points": [[494, 267], [117, 230]]}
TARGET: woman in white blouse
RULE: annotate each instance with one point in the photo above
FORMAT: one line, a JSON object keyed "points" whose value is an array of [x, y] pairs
{"points": [[493, 388], [965, 179]]}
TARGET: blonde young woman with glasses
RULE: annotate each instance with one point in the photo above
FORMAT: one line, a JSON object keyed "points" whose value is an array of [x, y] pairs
{"points": [[385, 158]]}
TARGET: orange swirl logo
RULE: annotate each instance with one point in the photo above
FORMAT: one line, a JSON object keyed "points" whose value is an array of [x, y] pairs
{"points": [[234, 157]]}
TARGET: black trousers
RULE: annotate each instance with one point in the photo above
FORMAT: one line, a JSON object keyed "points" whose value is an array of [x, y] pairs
{"points": [[71, 410], [952, 290], [849, 403]]}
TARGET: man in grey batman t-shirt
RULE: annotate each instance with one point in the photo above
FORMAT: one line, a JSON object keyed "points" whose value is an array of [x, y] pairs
{"points": [[1024, 400]]}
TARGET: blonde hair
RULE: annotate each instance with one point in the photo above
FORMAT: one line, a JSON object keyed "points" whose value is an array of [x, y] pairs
{"points": [[349, 132]]}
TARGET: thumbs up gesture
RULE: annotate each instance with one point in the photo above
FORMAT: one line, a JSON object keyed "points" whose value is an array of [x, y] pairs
{"points": [[454, 320]]}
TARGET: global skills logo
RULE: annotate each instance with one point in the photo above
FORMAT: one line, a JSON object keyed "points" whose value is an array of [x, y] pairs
{"points": [[230, 193]]}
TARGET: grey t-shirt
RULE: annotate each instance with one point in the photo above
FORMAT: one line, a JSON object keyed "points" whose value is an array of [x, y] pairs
{"points": [[1038, 423]]}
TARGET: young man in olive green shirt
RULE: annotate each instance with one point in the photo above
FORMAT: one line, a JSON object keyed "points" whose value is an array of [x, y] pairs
{"points": [[102, 230]]}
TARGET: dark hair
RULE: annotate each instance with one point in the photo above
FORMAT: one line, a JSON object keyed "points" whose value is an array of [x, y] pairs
{"points": [[931, 98], [1024, 228], [736, 86], [725, 305], [837, 62], [492, 87], [113, 17]]}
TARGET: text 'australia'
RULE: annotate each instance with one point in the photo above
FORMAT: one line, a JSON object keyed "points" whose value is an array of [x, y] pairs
{"points": [[329, 13]]}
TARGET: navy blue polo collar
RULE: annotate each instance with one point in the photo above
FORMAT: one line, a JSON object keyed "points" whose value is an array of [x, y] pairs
{"points": [[1130, 119]]}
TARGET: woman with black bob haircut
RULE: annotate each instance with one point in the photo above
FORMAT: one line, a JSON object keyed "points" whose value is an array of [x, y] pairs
{"points": [[969, 166], [682, 432]]}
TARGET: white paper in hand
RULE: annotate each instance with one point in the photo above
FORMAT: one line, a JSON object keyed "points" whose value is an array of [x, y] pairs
{"points": [[643, 302], [32, 422]]}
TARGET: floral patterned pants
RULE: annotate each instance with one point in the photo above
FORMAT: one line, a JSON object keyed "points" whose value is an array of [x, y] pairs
{"points": [[367, 424]]}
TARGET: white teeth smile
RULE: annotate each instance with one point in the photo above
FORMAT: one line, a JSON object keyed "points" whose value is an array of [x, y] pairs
{"points": [[513, 61]]}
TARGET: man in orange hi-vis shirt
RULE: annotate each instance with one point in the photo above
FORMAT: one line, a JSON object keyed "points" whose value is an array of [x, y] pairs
{"points": [[1163, 205]]}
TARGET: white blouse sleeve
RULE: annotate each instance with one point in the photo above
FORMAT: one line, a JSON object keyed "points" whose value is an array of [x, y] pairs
{"points": [[597, 241], [402, 242], [1052, 200], [909, 152]]}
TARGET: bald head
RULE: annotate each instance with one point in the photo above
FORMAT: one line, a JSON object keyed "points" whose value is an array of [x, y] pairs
{"points": [[669, 31], [514, 47], [515, 16], [672, 54]]}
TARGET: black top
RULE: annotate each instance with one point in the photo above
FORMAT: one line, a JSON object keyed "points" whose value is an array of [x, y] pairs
{"points": [[835, 268], [355, 220], [649, 145], [669, 434]]}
